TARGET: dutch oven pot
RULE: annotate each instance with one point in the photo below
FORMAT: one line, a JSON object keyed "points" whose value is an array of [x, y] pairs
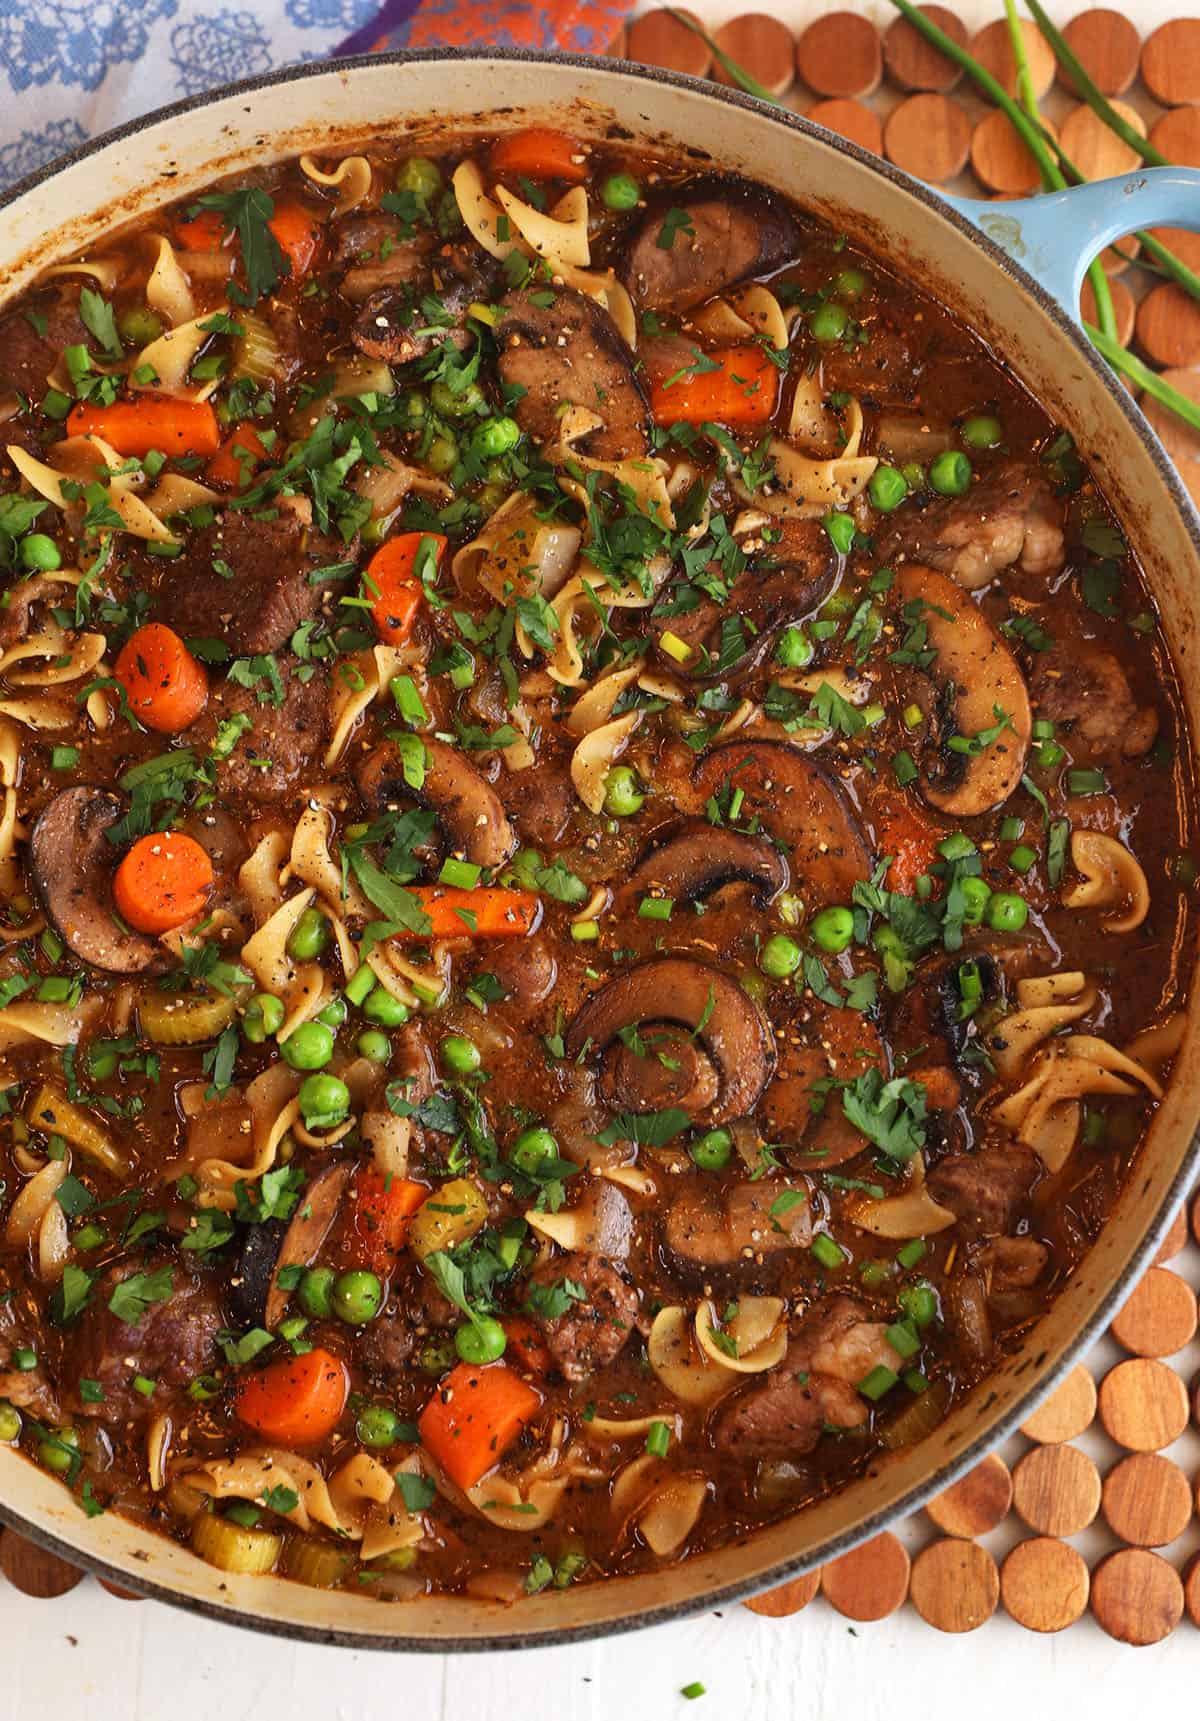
{"points": [[1012, 273]]}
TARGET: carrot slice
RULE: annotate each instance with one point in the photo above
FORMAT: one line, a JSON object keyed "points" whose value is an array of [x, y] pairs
{"points": [[539, 153], [489, 912], [381, 1213], [204, 232], [903, 832], [162, 882], [165, 686], [237, 456], [152, 421], [393, 587], [742, 389], [296, 1401], [525, 1345], [474, 1417], [298, 235]]}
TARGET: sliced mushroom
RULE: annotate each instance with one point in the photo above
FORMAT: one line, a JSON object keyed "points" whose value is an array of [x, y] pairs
{"points": [[669, 1069], [469, 809], [731, 1028], [72, 865], [713, 1227], [829, 1042], [600, 1223], [309, 1228], [698, 239], [981, 686], [699, 858], [568, 352], [793, 799]]}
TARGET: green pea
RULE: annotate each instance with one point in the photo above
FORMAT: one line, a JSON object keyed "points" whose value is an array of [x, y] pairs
{"points": [[833, 929], [384, 1010], [334, 1014], [316, 1292], [850, 284], [264, 1016], [975, 895], [1006, 912], [982, 430], [442, 456], [139, 325], [460, 1056], [887, 488], [620, 191], [950, 473], [10, 1423], [357, 1297], [622, 796], [308, 1047], [324, 1101], [445, 401], [447, 216], [490, 497], [375, 530], [841, 529], [40, 553], [377, 1425], [913, 474], [436, 1357], [795, 650], [498, 436], [828, 323], [374, 1045], [53, 1452], [420, 176], [711, 1152], [532, 1148], [481, 1340], [309, 936], [780, 956]]}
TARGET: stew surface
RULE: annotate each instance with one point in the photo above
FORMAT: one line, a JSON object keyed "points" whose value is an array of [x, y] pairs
{"points": [[596, 851]]}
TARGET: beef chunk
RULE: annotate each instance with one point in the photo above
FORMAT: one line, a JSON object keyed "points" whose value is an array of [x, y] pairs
{"points": [[283, 742], [1084, 686], [174, 1341], [1010, 517], [594, 1329], [698, 239], [396, 324], [33, 339], [1015, 1263], [263, 595], [21, 1329], [568, 350], [986, 1190], [542, 803]]}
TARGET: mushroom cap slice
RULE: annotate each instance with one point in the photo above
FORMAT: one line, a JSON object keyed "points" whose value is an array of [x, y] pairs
{"points": [[468, 808], [794, 800], [732, 230], [568, 352], [981, 677], [699, 858], [72, 864], [733, 1030], [827, 1042]]}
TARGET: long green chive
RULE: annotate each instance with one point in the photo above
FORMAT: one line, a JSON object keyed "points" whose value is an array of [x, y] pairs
{"points": [[742, 78]]}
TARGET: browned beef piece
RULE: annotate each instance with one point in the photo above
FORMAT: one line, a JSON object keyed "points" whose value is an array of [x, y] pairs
{"points": [[395, 322], [541, 803], [172, 1343], [698, 239], [1015, 1262], [32, 339], [986, 1190], [1084, 686], [21, 1329], [559, 347], [1012, 516], [364, 238], [417, 1315], [594, 1329], [260, 600], [283, 742]]}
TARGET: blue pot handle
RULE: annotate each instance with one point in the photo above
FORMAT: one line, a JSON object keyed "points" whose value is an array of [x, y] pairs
{"points": [[1055, 236]]}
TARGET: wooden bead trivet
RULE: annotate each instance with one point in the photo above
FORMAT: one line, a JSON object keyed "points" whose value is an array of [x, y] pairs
{"points": [[869, 1582], [977, 1502], [1000, 157], [955, 1585], [1182, 443], [915, 64], [1171, 62], [1147, 1500], [1191, 1591], [850, 119], [1070, 1408], [992, 47], [1136, 1596], [840, 55], [1056, 1490], [1107, 46], [762, 46], [32, 1570], [657, 39], [1159, 1318], [1143, 1405], [788, 1599], [928, 136], [1044, 1584]]}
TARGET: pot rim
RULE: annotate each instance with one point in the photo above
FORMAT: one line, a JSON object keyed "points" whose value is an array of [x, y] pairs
{"points": [[1101, 1316]]}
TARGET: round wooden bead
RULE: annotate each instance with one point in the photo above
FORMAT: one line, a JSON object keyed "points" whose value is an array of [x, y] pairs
{"points": [[1191, 1591], [1044, 1584], [850, 119], [1177, 1236], [914, 63], [618, 48], [1107, 46], [1171, 62], [33, 1570], [977, 1502], [1136, 1596], [1168, 325], [1000, 157], [1195, 1208], [1177, 136], [121, 1595], [1143, 1405], [1123, 303], [992, 47], [839, 55], [1097, 152], [1160, 1316], [869, 1582], [1147, 1500], [1066, 1413], [955, 1585], [657, 39], [1182, 443], [787, 1599], [762, 46], [929, 136], [1056, 1490]]}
